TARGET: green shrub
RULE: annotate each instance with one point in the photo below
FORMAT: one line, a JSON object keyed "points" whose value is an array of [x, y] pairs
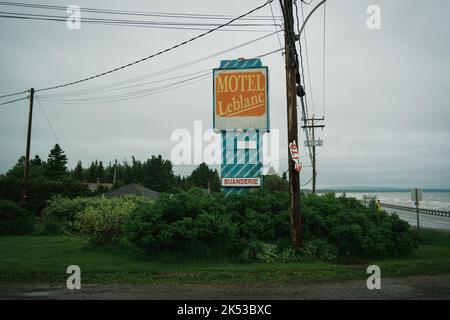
{"points": [[102, 219], [58, 216], [15, 220], [256, 225], [190, 222], [41, 190], [353, 231]]}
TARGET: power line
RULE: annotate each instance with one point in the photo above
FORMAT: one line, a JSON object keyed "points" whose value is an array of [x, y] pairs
{"points": [[276, 29], [133, 94], [161, 72], [13, 94], [8, 102], [108, 89], [140, 93], [137, 13], [300, 69], [307, 61], [48, 120], [136, 23], [155, 54]]}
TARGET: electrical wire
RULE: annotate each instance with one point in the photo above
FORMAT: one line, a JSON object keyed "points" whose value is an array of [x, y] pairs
{"points": [[13, 94], [136, 13], [8, 102], [137, 23], [133, 95], [154, 54], [276, 29], [303, 100], [161, 72], [307, 60], [48, 120], [109, 89], [141, 93]]}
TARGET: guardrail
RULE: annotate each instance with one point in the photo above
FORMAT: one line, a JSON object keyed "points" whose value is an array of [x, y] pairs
{"points": [[441, 213]]}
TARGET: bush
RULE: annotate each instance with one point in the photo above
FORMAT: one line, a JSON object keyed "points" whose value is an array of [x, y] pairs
{"points": [[102, 219], [15, 220], [353, 231], [58, 216], [188, 222], [256, 225], [41, 190]]}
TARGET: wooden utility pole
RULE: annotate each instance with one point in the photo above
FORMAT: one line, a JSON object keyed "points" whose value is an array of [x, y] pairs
{"points": [[115, 171], [291, 93], [27, 154], [313, 143], [314, 173]]}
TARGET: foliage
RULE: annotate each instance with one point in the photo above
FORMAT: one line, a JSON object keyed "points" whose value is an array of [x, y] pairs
{"points": [[203, 177], [15, 220], [274, 183], [41, 190], [102, 218], [58, 216], [354, 231], [99, 217], [56, 162], [256, 225], [187, 221]]}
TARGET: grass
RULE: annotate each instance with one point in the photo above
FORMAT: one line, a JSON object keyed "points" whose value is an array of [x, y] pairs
{"points": [[45, 259]]}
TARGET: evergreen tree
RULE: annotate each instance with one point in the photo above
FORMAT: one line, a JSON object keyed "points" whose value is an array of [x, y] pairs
{"points": [[78, 172], [56, 162], [92, 172], [205, 178], [37, 161], [159, 174], [100, 171]]}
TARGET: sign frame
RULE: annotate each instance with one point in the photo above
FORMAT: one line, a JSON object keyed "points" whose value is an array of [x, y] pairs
{"points": [[237, 69]]}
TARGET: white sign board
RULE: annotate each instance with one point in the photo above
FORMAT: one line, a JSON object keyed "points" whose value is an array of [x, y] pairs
{"points": [[241, 182], [416, 195]]}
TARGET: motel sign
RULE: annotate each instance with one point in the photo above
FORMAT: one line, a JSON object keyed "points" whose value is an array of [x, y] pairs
{"points": [[241, 115]]}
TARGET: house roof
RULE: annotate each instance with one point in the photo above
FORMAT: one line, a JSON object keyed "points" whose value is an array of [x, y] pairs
{"points": [[132, 188]]}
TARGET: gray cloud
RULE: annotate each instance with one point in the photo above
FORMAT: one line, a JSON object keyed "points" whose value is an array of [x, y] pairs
{"points": [[387, 92]]}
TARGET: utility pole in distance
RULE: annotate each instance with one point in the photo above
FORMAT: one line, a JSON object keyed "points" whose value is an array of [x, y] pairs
{"points": [[313, 143], [291, 93], [27, 153]]}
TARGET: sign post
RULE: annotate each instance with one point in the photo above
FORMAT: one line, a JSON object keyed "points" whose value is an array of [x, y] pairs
{"points": [[241, 115], [416, 196]]}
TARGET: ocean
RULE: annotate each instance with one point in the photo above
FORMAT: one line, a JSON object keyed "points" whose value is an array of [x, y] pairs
{"points": [[431, 200]]}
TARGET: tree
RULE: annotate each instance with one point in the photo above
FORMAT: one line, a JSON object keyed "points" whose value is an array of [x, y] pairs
{"points": [[205, 178], [158, 174], [78, 173], [56, 162], [37, 161], [275, 183], [92, 172], [100, 171]]}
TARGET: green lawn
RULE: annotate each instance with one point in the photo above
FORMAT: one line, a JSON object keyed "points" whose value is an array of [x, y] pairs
{"points": [[45, 259]]}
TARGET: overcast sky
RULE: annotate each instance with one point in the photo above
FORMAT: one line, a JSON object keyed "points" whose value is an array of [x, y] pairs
{"points": [[387, 91]]}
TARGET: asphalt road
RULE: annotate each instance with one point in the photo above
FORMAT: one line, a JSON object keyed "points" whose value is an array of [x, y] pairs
{"points": [[425, 220]]}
